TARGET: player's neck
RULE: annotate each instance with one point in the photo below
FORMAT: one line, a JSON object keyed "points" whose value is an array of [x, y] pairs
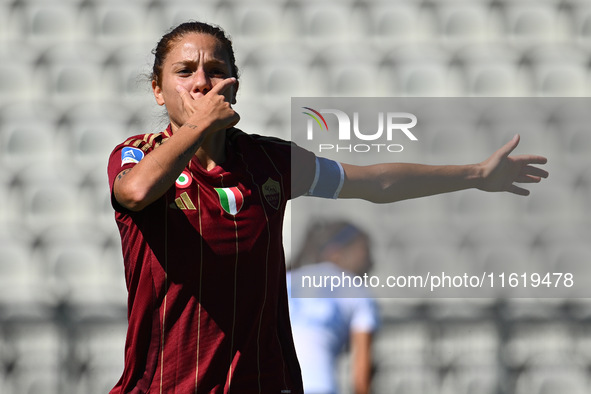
{"points": [[213, 150]]}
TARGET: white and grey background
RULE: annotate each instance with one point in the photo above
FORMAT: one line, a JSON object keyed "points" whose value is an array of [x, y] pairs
{"points": [[73, 84]]}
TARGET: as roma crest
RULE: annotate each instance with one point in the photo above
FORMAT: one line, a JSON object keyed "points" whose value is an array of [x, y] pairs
{"points": [[272, 192]]}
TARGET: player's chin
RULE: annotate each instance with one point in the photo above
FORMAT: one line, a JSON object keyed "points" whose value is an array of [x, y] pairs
{"points": [[177, 123], [179, 117]]}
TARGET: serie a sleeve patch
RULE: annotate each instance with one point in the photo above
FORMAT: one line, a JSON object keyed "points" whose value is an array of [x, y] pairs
{"points": [[328, 179], [131, 155]]}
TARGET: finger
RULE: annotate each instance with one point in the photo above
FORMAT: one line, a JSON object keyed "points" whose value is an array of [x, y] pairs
{"points": [[222, 86], [528, 179], [535, 171], [234, 122], [518, 190], [236, 119], [530, 159], [185, 95], [510, 146]]}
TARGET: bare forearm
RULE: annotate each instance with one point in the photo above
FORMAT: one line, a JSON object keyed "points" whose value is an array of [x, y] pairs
{"points": [[383, 183], [399, 181], [362, 379], [361, 361], [154, 175]]}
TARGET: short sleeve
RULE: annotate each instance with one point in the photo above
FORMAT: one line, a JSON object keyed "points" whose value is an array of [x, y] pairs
{"points": [[126, 155], [365, 316], [295, 164], [303, 169]]}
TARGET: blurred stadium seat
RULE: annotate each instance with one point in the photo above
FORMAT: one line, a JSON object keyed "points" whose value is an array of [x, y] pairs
{"points": [[47, 192], [39, 353], [99, 350], [462, 22], [580, 17], [260, 21], [88, 141], [407, 380], [328, 22], [352, 70], [270, 71], [24, 293], [578, 142], [419, 70], [161, 16], [128, 74], [491, 70], [113, 23], [396, 22], [582, 344], [71, 73], [16, 66], [558, 70], [553, 380], [536, 21], [472, 380], [83, 283], [529, 344], [25, 141], [50, 22], [403, 345]]}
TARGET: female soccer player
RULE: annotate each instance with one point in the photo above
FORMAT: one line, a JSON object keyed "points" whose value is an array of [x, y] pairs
{"points": [[327, 324], [200, 206]]}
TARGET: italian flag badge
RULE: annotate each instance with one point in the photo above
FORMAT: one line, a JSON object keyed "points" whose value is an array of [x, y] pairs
{"points": [[231, 199]]}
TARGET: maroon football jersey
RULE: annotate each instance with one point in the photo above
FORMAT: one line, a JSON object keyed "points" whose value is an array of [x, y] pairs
{"points": [[205, 271]]}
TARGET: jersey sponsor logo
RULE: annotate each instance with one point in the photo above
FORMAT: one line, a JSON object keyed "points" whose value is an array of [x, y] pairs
{"points": [[272, 192], [183, 202], [231, 199], [131, 155], [184, 180]]}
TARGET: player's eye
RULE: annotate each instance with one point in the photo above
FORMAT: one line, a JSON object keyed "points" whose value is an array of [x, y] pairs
{"points": [[217, 74]]}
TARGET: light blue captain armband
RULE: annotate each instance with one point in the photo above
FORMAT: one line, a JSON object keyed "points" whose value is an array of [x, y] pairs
{"points": [[328, 179]]}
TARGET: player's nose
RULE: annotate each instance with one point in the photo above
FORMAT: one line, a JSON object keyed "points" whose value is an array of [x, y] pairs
{"points": [[201, 84]]}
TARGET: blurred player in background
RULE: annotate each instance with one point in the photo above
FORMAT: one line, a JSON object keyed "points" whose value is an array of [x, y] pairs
{"points": [[324, 326], [200, 207]]}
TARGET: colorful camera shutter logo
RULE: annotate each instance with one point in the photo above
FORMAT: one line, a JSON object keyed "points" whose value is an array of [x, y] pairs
{"points": [[318, 115]]}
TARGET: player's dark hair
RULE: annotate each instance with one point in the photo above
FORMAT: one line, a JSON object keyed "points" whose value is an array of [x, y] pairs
{"points": [[322, 235], [166, 42]]}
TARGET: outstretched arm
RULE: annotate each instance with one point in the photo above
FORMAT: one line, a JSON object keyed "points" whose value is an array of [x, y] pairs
{"points": [[391, 182]]}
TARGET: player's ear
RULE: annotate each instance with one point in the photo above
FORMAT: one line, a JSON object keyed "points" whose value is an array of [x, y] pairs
{"points": [[157, 92]]}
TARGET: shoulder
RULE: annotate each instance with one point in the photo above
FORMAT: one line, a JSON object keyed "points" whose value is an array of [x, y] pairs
{"points": [[240, 138], [145, 142], [277, 149], [133, 150]]}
